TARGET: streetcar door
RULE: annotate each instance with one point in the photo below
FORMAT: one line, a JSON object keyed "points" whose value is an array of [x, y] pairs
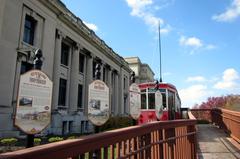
{"points": [[171, 105]]}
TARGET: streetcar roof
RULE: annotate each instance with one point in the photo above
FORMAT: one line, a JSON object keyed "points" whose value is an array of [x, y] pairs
{"points": [[153, 84]]}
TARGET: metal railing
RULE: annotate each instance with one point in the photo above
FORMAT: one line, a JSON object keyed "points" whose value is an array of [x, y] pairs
{"points": [[156, 140], [227, 120], [202, 114]]}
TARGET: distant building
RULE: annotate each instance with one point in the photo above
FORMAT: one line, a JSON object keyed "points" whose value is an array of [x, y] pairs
{"points": [[70, 50], [142, 71]]}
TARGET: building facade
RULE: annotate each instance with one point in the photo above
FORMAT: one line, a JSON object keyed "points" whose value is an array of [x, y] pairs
{"points": [[143, 72], [70, 53]]}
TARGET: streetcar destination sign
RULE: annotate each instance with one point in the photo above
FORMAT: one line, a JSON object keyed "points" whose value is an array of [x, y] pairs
{"points": [[158, 104], [135, 101], [33, 111]]}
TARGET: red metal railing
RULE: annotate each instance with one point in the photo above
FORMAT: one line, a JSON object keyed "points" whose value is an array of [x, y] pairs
{"points": [[157, 140], [229, 121]]}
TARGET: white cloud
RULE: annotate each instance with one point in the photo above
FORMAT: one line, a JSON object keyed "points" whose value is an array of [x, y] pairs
{"points": [[196, 79], [231, 13], [91, 26], [229, 80], [193, 95], [190, 41], [143, 9], [195, 44], [210, 47]]}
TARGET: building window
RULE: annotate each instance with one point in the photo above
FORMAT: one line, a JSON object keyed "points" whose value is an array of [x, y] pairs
{"points": [[82, 127], [29, 29], [64, 54], [124, 83], [62, 92], [81, 63], [64, 127], [25, 66], [86, 126], [80, 94], [94, 68], [104, 74], [125, 104], [70, 126]]}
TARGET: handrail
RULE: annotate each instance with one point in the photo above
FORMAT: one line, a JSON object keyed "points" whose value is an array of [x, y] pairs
{"points": [[191, 116], [164, 139], [229, 121]]}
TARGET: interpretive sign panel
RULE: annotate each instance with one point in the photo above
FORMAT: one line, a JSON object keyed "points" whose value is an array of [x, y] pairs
{"points": [[135, 101], [98, 102], [158, 104], [33, 111]]}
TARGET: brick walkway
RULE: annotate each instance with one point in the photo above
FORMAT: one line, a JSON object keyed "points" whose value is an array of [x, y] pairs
{"points": [[213, 143]]}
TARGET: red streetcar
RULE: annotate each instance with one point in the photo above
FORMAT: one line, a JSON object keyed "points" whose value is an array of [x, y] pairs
{"points": [[171, 103], [167, 100]]}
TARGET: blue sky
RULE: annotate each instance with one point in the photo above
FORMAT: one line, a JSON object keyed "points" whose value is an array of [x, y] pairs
{"points": [[200, 40]]}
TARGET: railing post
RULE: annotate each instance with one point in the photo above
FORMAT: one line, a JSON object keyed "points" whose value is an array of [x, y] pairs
{"points": [[160, 137], [148, 143], [192, 140], [170, 133]]}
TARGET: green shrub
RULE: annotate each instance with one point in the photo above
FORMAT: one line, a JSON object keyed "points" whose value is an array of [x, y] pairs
{"points": [[72, 137], [116, 123], [9, 141], [55, 139], [37, 141]]}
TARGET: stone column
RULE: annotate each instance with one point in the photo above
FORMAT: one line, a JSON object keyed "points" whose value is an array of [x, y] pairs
{"points": [[120, 92], [56, 67], [116, 102], [88, 80], [113, 92], [73, 97], [109, 84], [101, 78]]}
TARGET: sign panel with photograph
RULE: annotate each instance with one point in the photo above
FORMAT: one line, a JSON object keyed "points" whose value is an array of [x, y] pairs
{"points": [[158, 104], [98, 102], [135, 101], [33, 111]]}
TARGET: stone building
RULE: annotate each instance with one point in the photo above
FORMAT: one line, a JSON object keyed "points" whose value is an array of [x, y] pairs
{"points": [[142, 71], [70, 50]]}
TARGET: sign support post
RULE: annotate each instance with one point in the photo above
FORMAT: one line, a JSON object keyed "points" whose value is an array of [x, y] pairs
{"points": [[38, 66], [33, 109], [98, 103], [98, 76]]}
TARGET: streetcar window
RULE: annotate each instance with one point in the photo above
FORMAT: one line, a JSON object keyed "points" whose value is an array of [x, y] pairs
{"points": [[171, 105], [151, 90], [143, 100], [171, 100], [151, 101], [164, 100], [162, 90]]}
